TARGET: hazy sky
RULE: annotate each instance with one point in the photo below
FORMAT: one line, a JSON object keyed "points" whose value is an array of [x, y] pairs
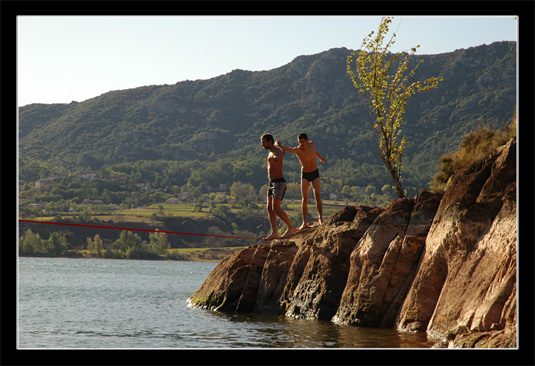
{"points": [[66, 58]]}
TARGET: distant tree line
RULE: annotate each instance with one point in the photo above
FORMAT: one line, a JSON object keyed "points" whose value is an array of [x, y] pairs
{"points": [[135, 184], [128, 246]]}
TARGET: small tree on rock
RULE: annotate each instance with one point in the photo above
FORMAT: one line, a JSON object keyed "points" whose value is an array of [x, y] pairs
{"points": [[387, 93]]}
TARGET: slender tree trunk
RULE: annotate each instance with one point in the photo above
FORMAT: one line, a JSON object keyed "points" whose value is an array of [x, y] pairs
{"points": [[395, 178]]}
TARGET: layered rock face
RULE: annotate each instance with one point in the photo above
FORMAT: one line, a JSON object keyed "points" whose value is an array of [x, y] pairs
{"points": [[384, 261], [441, 264], [466, 281]]}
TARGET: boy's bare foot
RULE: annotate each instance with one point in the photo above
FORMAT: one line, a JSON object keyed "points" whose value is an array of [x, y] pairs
{"points": [[316, 223], [304, 226], [271, 237], [289, 232]]}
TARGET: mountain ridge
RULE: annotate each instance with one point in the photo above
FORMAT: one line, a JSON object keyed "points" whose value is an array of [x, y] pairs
{"points": [[223, 117]]}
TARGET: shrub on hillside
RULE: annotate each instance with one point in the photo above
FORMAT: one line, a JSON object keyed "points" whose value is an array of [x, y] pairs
{"points": [[474, 146]]}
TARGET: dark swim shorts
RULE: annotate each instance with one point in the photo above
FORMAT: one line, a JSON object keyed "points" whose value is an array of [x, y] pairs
{"points": [[311, 175], [277, 188]]}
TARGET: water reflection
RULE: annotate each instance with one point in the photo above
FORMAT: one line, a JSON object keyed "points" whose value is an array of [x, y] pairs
{"points": [[76, 303], [277, 331]]}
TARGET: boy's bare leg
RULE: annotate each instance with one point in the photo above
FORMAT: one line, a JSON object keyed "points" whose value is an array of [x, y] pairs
{"points": [[316, 187], [304, 203], [284, 217], [272, 220]]}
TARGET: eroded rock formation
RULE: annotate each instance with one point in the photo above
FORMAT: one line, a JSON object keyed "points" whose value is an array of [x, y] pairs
{"points": [[441, 264]]}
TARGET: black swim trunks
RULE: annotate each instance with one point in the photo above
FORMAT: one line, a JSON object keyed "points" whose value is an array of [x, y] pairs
{"points": [[311, 175], [277, 188]]}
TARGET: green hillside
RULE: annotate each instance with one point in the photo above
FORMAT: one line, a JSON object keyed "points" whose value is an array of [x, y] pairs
{"points": [[207, 131]]}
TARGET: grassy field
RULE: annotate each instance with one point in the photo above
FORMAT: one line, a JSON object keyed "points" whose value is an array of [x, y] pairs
{"points": [[146, 214], [150, 214], [167, 209]]}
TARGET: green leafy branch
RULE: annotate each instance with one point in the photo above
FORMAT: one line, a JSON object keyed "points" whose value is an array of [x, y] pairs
{"points": [[387, 92]]}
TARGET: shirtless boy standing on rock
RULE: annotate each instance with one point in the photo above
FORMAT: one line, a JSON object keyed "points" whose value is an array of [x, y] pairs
{"points": [[276, 188], [306, 153]]}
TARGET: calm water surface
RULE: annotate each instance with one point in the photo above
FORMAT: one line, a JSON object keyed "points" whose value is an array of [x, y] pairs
{"points": [[68, 303]]}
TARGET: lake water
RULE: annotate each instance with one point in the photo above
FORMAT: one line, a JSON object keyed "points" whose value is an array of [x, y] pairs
{"points": [[68, 303]]}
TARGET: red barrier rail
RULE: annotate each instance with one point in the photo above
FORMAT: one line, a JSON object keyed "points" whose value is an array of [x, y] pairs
{"points": [[132, 229]]}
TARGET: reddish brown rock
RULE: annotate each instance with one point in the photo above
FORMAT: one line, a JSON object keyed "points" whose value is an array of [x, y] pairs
{"points": [[233, 286], [380, 266], [223, 287], [316, 294], [274, 279], [466, 282], [445, 265], [481, 285], [294, 274]]}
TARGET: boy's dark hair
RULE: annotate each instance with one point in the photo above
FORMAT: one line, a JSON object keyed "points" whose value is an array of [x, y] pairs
{"points": [[267, 137], [302, 136]]}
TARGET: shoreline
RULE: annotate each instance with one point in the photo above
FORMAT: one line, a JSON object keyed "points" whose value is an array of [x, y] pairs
{"points": [[124, 259]]}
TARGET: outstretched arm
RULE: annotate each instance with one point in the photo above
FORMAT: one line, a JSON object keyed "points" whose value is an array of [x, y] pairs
{"points": [[292, 150], [323, 160], [317, 154]]}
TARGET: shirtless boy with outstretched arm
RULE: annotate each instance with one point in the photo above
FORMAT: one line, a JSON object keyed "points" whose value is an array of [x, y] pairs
{"points": [[307, 154], [276, 188]]}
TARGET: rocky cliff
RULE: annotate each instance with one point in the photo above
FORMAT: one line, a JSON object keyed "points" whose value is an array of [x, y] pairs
{"points": [[444, 264]]}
